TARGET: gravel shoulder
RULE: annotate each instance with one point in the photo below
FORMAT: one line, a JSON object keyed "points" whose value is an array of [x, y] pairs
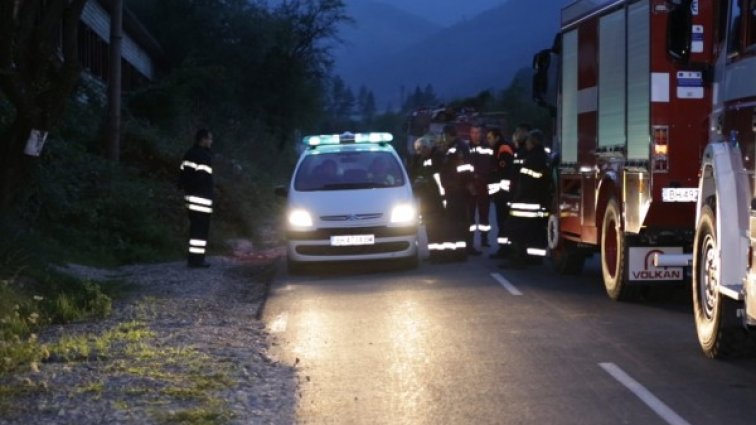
{"points": [[183, 347]]}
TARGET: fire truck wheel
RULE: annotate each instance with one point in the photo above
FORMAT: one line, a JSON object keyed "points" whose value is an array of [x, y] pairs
{"points": [[613, 253], [719, 331], [552, 231], [566, 257]]}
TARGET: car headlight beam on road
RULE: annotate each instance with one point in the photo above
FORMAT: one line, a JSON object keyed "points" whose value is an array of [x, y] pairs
{"points": [[300, 219], [403, 214]]}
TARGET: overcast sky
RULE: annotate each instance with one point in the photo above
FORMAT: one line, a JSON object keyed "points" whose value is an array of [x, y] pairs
{"points": [[444, 12]]}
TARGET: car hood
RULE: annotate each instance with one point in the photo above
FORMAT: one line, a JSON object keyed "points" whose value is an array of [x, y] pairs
{"points": [[367, 207]]}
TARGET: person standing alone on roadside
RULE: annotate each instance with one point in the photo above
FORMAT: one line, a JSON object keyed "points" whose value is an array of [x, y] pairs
{"points": [[196, 180]]}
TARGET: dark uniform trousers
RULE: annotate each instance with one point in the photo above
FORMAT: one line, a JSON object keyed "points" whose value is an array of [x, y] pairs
{"points": [[500, 189], [482, 158], [529, 208], [432, 198], [196, 178], [199, 230], [456, 175]]}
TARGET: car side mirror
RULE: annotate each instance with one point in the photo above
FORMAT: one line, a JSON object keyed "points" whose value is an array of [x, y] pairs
{"points": [[679, 21], [281, 191]]}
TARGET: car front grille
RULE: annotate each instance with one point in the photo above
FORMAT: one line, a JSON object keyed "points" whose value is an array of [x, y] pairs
{"points": [[379, 232], [327, 251], [352, 217]]}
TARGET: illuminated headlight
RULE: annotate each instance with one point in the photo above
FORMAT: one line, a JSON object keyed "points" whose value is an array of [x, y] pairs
{"points": [[403, 214], [300, 218]]}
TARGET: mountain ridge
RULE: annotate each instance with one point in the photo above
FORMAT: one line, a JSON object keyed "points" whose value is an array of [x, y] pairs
{"points": [[478, 54]]}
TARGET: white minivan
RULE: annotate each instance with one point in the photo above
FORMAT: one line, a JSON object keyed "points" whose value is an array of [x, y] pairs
{"points": [[350, 199]]}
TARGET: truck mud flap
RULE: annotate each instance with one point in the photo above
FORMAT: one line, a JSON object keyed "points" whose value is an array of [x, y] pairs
{"points": [[640, 267]]}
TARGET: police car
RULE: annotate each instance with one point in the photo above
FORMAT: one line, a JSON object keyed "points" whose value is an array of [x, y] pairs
{"points": [[350, 199]]}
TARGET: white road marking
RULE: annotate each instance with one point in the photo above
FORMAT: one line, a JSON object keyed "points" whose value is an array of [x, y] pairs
{"points": [[506, 284], [278, 325], [645, 395]]}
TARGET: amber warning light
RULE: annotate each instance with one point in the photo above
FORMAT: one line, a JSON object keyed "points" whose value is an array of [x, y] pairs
{"points": [[661, 148]]}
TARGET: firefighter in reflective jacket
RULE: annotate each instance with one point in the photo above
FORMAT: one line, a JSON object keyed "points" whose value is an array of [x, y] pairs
{"points": [[427, 186], [196, 180], [519, 138], [500, 188], [529, 207], [482, 159], [456, 179]]}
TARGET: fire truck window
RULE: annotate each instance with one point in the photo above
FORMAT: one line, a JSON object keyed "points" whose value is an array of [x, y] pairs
{"points": [[721, 30], [734, 43], [751, 23]]}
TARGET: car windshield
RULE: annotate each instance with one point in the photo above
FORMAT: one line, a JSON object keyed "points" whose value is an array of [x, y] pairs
{"points": [[349, 170]]}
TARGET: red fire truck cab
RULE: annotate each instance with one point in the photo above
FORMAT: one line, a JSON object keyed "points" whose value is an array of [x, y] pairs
{"points": [[632, 122]]}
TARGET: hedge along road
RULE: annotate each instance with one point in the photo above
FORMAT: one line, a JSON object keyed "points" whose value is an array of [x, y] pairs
{"points": [[470, 343]]}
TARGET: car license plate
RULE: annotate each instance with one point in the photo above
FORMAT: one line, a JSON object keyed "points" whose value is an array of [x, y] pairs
{"points": [[352, 240]]}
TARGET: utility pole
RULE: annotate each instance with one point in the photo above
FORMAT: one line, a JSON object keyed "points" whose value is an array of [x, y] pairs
{"points": [[113, 132]]}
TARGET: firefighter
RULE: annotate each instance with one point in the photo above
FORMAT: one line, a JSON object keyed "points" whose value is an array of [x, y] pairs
{"points": [[196, 180], [500, 188], [529, 208], [519, 137], [481, 158], [456, 179], [427, 186]]}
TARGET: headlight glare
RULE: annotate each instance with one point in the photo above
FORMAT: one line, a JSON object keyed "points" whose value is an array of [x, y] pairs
{"points": [[300, 218], [403, 214]]}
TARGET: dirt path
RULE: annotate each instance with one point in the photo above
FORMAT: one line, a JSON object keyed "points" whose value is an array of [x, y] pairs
{"points": [[184, 347]]}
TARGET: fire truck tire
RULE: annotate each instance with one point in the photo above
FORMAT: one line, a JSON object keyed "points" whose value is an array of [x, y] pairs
{"points": [[613, 253], [553, 236], [719, 330], [567, 259]]}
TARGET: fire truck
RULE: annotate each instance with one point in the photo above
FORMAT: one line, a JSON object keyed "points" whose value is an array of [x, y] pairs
{"points": [[724, 270], [632, 122]]}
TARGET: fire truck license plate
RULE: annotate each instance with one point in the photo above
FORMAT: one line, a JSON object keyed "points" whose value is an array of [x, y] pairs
{"points": [[352, 240], [680, 194]]}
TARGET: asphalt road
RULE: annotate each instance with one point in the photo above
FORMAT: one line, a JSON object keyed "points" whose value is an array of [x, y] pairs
{"points": [[468, 343]]}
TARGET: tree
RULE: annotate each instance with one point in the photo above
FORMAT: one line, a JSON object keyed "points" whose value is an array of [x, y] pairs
{"points": [[245, 60], [517, 102], [366, 105], [341, 102], [39, 69], [421, 98], [361, 98], [369, 109], [429, 96]]}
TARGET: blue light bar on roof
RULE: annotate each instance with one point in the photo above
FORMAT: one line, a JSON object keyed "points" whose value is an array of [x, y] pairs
{"points": [[330, 139], [337, 139], [373, 137]]}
